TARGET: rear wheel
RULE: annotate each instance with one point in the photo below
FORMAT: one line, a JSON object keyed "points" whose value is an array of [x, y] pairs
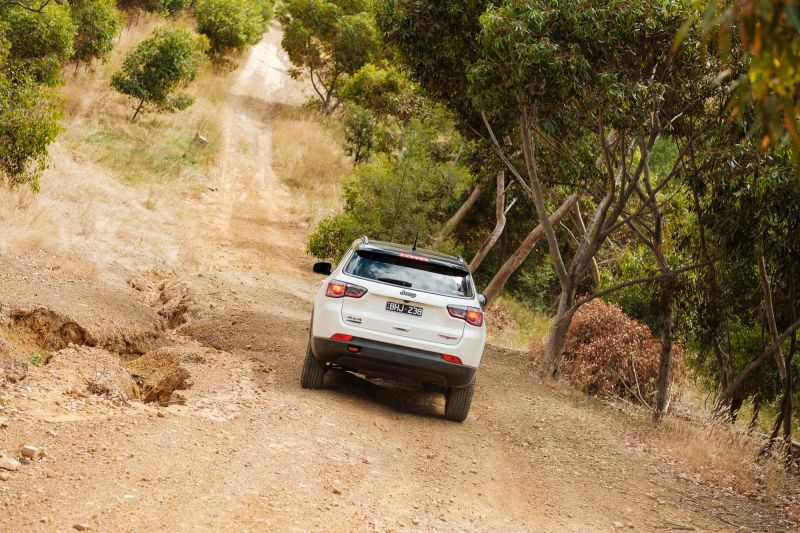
{"points": [[313, 371], [457, 402]]}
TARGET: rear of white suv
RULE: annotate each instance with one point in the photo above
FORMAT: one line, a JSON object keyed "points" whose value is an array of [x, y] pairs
{"points": [[392, 311]]}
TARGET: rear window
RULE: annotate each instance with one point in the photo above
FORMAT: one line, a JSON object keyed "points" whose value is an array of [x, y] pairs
{"points": [[410, 273]]}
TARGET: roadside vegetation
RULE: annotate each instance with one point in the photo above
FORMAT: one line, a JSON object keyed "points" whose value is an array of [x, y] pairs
{"points": [[635, 182], [622, 177], [162, 70]]}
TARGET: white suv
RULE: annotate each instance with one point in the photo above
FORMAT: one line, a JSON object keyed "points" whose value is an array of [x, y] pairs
{"points": [[389, 310]]}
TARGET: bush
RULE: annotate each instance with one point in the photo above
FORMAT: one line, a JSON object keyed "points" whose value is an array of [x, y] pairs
{"points": [[333, 236], [174, 8], [607, 353], [40, 43], [230, 25], [29, 122], [158, 66], [98, 22]]}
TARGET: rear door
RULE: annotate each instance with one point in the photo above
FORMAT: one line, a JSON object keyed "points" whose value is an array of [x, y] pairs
{"points": [[406, 296]]}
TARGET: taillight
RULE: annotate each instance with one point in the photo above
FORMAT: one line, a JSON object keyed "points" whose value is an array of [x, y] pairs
{"points": [[340, 289], [470, 315], [452, 359], [341, 337]]}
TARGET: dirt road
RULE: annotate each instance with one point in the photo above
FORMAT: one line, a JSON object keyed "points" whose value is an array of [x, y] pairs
{"points": [[244, 448]]}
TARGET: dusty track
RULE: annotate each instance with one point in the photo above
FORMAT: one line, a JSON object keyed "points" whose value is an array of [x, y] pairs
{"points": [[250, 449]]}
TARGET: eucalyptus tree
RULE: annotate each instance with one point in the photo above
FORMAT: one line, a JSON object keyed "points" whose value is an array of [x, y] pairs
{"points": [[327, 40]]}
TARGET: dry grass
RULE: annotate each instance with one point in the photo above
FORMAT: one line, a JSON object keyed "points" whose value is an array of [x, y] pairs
{"points": [[513, 324], [717, 454], [308, 158], [158, 148]]}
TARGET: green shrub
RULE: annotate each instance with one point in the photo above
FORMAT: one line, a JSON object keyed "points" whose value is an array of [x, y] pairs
{"points": [[174, 8], [40, 43], [29, 122], [98, 22], [230, 25], [359, 132], [158, 66], [333, 236]]}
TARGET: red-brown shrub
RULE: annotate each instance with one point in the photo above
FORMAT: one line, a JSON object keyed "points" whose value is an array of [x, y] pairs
{"points": [[608, 353]]}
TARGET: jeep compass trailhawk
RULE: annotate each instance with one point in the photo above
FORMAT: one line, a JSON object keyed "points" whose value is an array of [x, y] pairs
{"points": [[393, 311]]}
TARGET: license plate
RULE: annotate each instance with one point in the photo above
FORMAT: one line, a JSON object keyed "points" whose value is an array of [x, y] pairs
{"points": [[404, 308]]}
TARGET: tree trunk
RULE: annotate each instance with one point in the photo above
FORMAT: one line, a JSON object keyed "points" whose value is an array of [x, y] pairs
{"points": [[523, 251], [138, 108], [753, 366], [500, 224], [665, 362], [770, 312], [557, 334], [580, 226], [459, 215]]}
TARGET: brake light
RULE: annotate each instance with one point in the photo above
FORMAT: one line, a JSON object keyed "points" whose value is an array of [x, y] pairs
{"points": [[341, 337], [336, 289], [339, 289], [415, 258], [470, 315], [452, 359]]}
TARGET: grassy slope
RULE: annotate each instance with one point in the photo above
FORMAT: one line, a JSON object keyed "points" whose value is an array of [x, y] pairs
{"points": [[158, 148]]}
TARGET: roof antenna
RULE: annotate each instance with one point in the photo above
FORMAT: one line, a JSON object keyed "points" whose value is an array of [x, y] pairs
{"points": [[414, 248]]}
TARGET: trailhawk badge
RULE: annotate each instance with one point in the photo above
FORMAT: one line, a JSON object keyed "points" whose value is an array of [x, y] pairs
{"points": [[408, 293]]}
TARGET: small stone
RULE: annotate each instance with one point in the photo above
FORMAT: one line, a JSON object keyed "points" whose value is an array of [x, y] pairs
{"points": [[31, 452], [414, 521], [336, 490], [161, 414], [44, 520], [9, 463], [366, 461], [618, 525], [82, 527], [3, 423], [5, 476]]}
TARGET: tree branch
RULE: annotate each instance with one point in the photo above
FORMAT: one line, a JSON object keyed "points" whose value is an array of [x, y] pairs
{"points": [[640, 281]]}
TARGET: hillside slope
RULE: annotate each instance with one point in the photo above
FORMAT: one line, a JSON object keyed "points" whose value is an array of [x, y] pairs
{"points": [[213, 280]]}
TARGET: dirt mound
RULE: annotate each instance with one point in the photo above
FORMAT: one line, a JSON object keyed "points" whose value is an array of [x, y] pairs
{"points": [[56, 308], [51, 330], [92, 370], [159, 374]]}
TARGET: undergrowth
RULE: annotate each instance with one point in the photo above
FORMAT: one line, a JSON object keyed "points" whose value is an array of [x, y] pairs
{"points": [[514, 324], [158, 148], [308, 158]]}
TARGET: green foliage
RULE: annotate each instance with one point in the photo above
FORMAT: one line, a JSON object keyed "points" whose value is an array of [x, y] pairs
{"points": [[769, 34], [437, 40], [387, 91], [359, 131], [40, 43], [326, 40], [29, 122], [333, 235], [158, 66], [393, 197], [175, 8], [98, 23], [39, 358], [231, 25]]}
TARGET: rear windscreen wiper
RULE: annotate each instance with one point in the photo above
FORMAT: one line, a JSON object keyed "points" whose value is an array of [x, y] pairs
{"points": [[395, 282]]}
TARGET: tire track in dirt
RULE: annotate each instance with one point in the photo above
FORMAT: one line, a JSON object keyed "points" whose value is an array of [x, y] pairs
{"points": [[251, 450]]}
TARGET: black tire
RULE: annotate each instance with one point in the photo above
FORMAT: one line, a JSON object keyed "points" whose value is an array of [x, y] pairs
{"points": [[313, 371], [457, 402]]}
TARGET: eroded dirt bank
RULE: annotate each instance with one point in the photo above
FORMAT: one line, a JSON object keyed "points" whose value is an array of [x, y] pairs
{"points": [[238, 445]]}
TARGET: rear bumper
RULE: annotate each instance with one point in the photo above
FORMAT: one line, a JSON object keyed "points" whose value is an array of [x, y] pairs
{"points": [[388, 360]]}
